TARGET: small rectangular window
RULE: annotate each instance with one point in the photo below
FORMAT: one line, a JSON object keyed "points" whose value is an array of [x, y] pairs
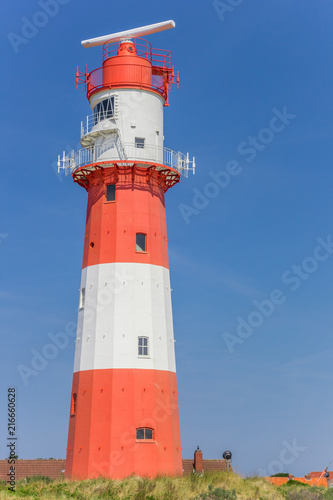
{"points": [[143, 347], [82, 297], [141, 242], [111, 192], [139, 142], [74, 399]]}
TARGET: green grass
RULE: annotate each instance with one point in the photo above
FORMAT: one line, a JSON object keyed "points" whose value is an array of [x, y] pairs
{"points": [[210, 486]]}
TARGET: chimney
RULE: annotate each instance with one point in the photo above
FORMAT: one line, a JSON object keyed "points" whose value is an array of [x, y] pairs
{"points": [[198, 460]]}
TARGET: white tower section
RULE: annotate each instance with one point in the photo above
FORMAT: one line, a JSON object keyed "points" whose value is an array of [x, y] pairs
{"points": [[136, 124]]}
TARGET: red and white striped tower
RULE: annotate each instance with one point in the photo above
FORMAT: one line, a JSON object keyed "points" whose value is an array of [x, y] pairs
{"points": [[124, 411]]}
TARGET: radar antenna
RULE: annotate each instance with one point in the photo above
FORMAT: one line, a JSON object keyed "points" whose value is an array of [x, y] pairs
{"points": [[134, 33]]}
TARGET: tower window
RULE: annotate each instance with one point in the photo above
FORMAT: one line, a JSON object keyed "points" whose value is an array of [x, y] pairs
{"points": [[103, 110], [139, 142], [73, 406], [82, 297], [143, 346], [144, 433], [141, 242], [111, 192]]}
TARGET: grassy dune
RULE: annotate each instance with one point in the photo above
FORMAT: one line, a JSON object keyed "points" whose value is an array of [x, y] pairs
{"points": [[211, 486]]}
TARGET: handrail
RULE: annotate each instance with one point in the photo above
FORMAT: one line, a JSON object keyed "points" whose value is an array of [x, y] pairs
{"points": [[158, 57], [94, 80], [111, 152], [93, 122]]}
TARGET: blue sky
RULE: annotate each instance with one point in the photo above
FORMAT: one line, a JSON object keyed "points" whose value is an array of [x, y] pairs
{"points": [[264, 395]]}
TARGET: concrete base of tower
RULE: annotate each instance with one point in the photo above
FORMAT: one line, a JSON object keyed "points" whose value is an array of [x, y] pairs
{"points": [[124, 422]]}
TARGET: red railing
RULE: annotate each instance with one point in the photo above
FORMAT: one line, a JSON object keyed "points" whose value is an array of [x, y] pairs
{"points": [[94, 80], [158, 57]]}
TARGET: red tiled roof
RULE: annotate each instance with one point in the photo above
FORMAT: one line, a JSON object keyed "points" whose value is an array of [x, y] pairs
{"points": [[27, 468], [312, 481], [54, 468], [318, 474]]}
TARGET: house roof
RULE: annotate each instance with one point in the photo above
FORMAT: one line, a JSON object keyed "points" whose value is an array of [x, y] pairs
{"points": [[311, 480]]}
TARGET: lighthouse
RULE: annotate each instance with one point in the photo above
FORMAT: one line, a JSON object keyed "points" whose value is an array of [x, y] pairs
{"points": [[124, 416]]}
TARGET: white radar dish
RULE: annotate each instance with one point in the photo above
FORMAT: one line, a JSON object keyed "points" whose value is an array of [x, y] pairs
{"points": [[143, 31]]}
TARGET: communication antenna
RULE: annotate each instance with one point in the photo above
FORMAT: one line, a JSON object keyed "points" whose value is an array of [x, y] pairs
{"points": [[134, 33]]}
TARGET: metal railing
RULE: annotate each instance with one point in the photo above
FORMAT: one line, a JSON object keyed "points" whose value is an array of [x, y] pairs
{"points": [[158, 57], [94, 123], [117, 151], [136, 75]]}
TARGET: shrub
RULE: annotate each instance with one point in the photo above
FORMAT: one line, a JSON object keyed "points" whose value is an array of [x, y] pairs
{"points": [[328, 493], [144, 488], [37, 479], [294, 482], [301, 493], [218, 494]]}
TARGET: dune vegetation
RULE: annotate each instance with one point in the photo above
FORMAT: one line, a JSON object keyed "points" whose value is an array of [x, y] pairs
{"points": [[210, 486]]}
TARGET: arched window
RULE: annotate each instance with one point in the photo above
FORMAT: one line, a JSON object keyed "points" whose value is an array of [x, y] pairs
{"points": [[144, 433]]}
